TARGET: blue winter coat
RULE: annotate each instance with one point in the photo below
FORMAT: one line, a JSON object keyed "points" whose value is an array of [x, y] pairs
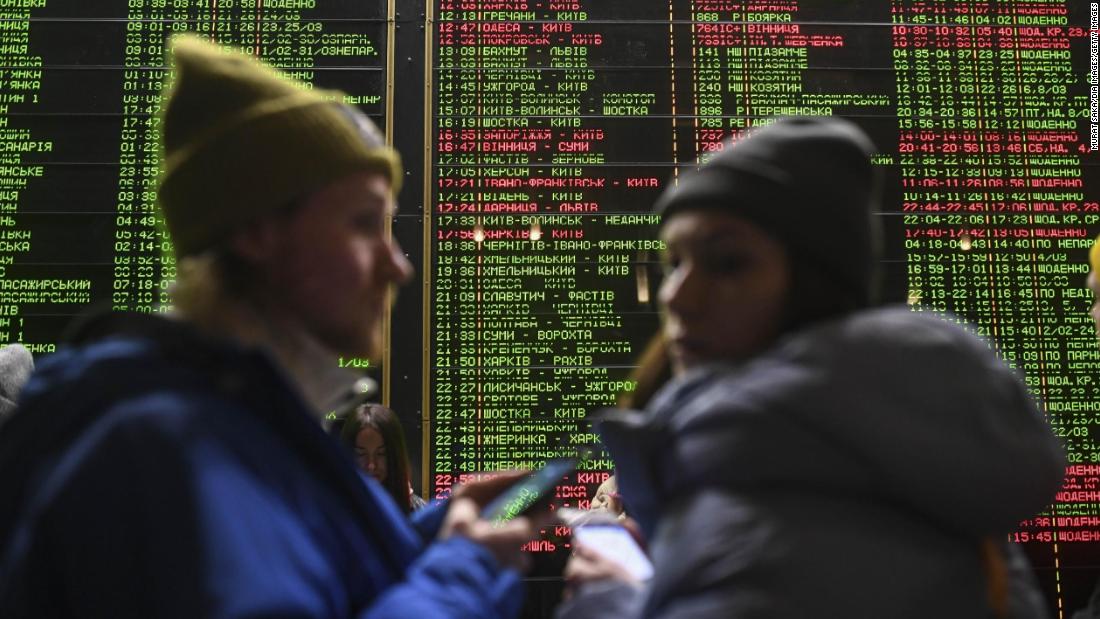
{"points": [[156, 473]]}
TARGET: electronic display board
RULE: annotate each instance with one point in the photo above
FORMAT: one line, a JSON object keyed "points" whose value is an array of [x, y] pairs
{"points": [[80, 90], [556, 123], [549, 128]]}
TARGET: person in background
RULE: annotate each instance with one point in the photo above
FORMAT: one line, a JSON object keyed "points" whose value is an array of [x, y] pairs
{"points": [[607, 498], [816, 454], [16, 365], [175, 466], [373, 433]]}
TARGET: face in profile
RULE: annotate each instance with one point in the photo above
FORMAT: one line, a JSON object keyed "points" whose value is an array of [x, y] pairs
{"points": [[333, 263], [725, 289], [1093, 282], [607, 497], [370, 453]]}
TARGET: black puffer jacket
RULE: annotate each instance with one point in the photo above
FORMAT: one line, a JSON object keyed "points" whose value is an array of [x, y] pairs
{"points": [[851, 471]]}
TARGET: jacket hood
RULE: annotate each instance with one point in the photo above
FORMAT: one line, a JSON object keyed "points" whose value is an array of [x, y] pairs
{"points": [[888, 404]]}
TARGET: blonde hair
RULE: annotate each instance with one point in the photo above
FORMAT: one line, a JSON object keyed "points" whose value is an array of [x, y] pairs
{"points": [[210, 289], [1094, 256]]}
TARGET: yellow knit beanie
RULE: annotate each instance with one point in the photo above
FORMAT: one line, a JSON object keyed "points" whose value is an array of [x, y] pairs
{"points": [[1094, 256], [242, 140]]}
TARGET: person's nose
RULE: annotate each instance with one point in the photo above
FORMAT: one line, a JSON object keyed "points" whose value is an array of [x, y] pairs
{"points": [[682, 292], [400, 269]]}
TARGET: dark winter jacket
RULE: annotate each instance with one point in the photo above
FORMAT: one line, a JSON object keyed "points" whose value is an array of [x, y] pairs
{"points": [[155, 473], [851, 471]]}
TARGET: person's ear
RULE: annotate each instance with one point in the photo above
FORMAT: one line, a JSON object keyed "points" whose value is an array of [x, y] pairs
{"points": [[258, 242]]}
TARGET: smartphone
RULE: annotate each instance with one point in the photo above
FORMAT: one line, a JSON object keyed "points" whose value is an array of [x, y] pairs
{"points": [[617, 544], [520, 496]]}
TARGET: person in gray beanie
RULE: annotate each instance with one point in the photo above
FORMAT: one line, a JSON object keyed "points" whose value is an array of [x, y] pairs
{"points": [[816, 453], [16, 365], [809, 184]]}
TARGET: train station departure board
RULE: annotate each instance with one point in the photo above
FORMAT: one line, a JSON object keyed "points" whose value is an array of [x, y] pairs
{"points": [[556, 123], [80, 91], [537, 135]]}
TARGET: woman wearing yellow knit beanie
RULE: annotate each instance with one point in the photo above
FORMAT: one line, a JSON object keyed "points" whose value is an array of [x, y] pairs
{"points": [[176, 466]]}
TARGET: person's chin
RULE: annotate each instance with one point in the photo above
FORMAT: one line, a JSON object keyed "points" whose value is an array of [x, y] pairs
{"points": [[365, 341], [685, 356], [366, 347], [356, 345]]}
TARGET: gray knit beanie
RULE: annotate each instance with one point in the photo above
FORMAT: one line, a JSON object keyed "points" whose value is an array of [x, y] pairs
{"points": [[806, 181]]}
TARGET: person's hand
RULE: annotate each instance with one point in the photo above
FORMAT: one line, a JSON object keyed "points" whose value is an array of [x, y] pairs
{"points": [[588, 565], [503, 540], [483, 490], [486, 488]]}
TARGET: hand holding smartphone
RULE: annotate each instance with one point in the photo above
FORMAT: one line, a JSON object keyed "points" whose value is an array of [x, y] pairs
{"points": [[529, 491], [614, 543]]}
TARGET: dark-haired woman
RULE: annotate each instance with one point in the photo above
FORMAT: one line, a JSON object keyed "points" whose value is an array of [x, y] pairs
{"points": [[374, 433], [816, 455]]}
